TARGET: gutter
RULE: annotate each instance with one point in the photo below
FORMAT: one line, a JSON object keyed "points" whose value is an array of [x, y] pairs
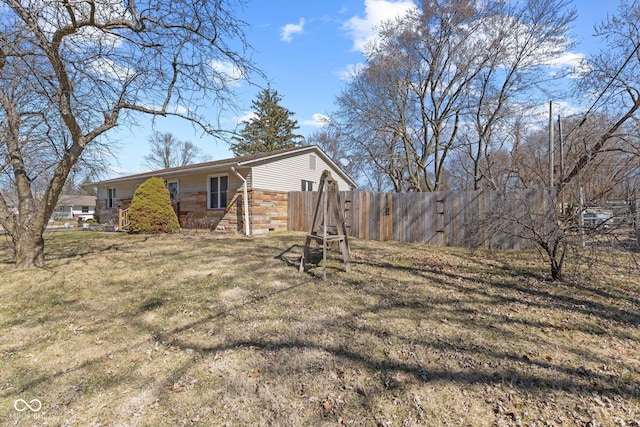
{"points": [[247, 231]]}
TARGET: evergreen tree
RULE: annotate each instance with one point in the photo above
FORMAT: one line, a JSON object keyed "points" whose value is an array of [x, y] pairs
{"points": [[150, 210], [271, 129]]}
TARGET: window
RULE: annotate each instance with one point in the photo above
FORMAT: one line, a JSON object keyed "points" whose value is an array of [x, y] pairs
{"points": [[312, 162], [218, 186], [172, 186], [85, 209], [111, 198], [307, 185]]}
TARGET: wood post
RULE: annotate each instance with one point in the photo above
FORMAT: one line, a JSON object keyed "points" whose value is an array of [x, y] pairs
{"points": [[123, 219]]}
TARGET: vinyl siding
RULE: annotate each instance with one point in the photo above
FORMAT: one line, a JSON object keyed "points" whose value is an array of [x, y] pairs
{"points": [[287, 174], [123, 191], [187, 184]]}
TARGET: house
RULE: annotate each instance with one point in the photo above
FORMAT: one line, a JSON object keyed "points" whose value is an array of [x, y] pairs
{"points": [[71, 206], [246, 194]]}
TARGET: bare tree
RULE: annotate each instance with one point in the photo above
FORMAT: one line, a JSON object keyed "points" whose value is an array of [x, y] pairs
{"points": [[70, 71], [443, 78], [612, 77], [531, 216], [168, 152], [525, 37]]}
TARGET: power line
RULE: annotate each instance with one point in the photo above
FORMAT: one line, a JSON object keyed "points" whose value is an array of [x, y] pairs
{"points": [[615, 76]]}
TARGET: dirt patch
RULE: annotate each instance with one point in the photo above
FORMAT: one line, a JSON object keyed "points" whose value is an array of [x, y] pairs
{"points": [[234, 294]]}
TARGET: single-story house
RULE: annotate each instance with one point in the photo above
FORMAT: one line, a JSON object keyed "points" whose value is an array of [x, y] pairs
{"points": [[71, 206], [246, 194]]}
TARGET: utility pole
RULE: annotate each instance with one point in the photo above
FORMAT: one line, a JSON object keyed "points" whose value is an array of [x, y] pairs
{"points": [[561, 148], [637, 217], [581, 215], [551, 144]]}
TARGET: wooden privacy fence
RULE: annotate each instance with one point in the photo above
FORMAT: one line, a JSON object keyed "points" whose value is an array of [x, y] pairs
{"points": [[466, 218]]}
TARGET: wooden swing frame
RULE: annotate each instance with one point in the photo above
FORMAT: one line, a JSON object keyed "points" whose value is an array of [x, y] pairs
{"points": [[327, 203]]}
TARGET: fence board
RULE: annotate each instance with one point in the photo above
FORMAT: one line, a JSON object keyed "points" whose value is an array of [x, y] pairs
{"points": [[441, 218]]}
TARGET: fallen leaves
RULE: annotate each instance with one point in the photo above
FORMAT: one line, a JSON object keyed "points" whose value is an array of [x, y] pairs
{"points": [[387, 344], [182, 385], [176, 388]]}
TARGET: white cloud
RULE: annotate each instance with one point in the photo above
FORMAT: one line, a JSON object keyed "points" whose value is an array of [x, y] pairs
{"points": [[350, 71], [179, 109], [248, 115], [576, 63], [317, 120], [362, 29], [227, 72], [107, 67], [289, 30]]}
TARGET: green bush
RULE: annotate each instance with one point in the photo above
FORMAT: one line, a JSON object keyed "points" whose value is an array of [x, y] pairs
{"points": [[150, 210]]}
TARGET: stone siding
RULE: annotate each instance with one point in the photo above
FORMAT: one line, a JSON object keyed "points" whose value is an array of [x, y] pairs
{"points": [[268, 211], [193, 212]]}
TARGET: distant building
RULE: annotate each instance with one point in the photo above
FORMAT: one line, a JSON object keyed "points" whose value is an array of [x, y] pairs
{"points": [[71, 206]]}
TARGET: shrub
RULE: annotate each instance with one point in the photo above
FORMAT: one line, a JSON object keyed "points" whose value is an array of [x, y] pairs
{"points": [[150, 210]]}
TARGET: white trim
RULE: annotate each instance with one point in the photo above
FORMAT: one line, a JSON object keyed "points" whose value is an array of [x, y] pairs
{"points": [[111, 198], [247, 230], [209, 207], [236, 162]]}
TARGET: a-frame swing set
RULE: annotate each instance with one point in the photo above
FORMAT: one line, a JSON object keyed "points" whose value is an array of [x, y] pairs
{"points": [[328, 223]]}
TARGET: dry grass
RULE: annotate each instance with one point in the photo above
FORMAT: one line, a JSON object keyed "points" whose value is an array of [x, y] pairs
{"points": [[198, 330]]}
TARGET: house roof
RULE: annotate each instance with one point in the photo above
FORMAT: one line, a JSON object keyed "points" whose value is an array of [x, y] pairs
{"points": [[241, 161], [76, 200], [63, 200]]}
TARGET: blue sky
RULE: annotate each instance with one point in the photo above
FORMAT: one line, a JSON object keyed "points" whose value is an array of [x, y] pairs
{"points": [[304, 48]]}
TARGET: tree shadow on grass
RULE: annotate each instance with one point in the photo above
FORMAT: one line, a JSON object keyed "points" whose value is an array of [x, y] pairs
{"points": [[57, 250], [401, 325], [514, 367]]}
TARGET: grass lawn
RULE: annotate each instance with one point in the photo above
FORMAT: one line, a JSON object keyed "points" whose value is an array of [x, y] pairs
{"points": [[193, 329]]}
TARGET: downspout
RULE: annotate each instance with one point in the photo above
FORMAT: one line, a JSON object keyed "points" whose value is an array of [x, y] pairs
{"points": [[247, 231]]}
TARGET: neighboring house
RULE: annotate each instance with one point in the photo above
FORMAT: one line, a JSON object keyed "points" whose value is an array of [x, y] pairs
{"points": [[247, 194], [71, 206], [68, 206]]}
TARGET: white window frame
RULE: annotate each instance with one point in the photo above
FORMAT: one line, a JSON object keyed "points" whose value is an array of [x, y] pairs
{"points": [[217, 205], [307, 185], [111, 198]]}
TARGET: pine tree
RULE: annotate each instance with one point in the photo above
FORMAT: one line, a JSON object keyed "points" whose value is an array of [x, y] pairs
{"points": [[271, 129]]}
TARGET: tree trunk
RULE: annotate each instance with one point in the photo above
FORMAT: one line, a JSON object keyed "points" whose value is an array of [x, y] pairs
{"points": [[28, 249], [556, 252], [556, 270]]}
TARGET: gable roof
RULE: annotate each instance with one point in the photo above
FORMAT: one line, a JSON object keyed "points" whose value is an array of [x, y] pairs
{"points": [[76, 200], [240, 161]]}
